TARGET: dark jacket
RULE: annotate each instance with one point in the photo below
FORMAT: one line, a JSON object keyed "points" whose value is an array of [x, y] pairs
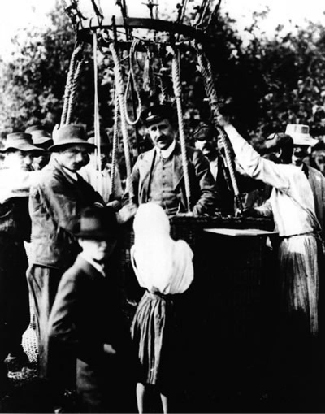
{"points": [[87, 314], [53, 201], [202, 184]]}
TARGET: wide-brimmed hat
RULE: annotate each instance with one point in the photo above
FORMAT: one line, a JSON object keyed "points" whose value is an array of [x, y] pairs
{"points": [[33, 128], [95, 223], [103, 139], [157, 113], [70, 134], [21, 141], [300, 134], [41, 138]]}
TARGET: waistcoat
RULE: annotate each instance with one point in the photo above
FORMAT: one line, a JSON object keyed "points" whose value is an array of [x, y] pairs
{"points": [[162, 186]]}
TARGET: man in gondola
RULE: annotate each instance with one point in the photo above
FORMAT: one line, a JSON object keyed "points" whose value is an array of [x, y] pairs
{"points": [[158, 174]]}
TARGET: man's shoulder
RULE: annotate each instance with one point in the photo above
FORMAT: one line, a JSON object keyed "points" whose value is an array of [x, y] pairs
{"points": [[145, 157]]}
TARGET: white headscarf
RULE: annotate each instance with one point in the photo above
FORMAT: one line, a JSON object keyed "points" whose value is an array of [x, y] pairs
{"points": [[159, 262]]}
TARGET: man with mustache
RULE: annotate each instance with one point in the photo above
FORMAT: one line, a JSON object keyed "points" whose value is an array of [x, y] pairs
{"points": [[60, 194], [158, 174]]}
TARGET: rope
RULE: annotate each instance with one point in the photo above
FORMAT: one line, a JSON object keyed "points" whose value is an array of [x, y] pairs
{"points": [[213, 99], [146, 72], [73, 91], [96, 115], [119, 88], [114, 149], [70, 76], [177, 92], [131, 83]]}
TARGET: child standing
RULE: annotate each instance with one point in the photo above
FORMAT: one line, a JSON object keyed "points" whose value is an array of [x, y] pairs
{"points": [[164, 268], [86, 317]]}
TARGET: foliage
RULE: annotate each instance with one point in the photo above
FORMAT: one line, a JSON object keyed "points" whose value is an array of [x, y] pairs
{"points": [[266, 82]]}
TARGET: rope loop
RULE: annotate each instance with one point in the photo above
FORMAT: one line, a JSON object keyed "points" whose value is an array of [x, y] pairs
{"points": [[131, 81]]}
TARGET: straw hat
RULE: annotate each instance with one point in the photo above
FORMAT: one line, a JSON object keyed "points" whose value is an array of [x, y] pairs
{"points": [[300, 134]]}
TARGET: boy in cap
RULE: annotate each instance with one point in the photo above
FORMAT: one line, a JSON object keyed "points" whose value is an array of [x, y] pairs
{"points": [[86, 317]]}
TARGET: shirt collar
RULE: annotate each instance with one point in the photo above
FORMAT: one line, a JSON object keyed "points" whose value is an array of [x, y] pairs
{"points": [[166, 153], [97, 266]]}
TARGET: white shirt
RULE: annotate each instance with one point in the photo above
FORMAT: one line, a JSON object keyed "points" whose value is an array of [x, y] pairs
{"points": [[166, 153], [91, 175], [289, 217]]}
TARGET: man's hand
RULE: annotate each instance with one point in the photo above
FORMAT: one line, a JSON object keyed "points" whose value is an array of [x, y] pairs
{"points": [[223, 120], [126, 213], [108, 349]]}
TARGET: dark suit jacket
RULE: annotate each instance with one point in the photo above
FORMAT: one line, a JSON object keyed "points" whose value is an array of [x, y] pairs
{"points": [[87, 314], [52, 203]]}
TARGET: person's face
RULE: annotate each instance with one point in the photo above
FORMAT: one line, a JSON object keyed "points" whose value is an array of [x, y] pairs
{"points": [[206, 146], [162, 134], [74, 157], [319, 159], [98, 250], [28, 160], [299, 153], [39, 161], [14, 159]]}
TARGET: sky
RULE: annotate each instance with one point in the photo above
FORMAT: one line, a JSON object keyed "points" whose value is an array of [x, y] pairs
{"points": [[21, 13]]}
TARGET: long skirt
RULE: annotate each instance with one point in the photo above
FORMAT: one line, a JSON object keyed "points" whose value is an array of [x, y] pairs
{"points": [[154, 333], [299, 268]]}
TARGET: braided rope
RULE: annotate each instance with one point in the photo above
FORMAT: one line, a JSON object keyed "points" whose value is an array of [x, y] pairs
{"points": [[114, 149], [119, 88], [146, 72], [73, 91], [131, 81], [96, 114], [177, 92], [70, 76], [212, 95]]}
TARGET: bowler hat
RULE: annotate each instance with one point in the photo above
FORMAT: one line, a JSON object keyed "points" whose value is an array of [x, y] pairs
{"points": [[70, 134], [21, 141], [95, 223], [41, 137], [300, 134], [157, 113]]}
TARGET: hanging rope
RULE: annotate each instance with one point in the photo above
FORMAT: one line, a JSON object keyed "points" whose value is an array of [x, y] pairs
{"points": [[114, 149], [73, 91], [132, 84], [119, 88], [177, 92], [96, 115], [213, 99], [70, 77]]}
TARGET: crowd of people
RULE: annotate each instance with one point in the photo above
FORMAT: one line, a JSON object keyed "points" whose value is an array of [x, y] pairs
{"points": [[60, 219]]}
